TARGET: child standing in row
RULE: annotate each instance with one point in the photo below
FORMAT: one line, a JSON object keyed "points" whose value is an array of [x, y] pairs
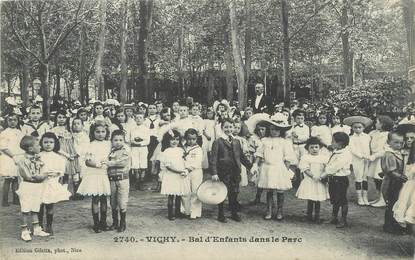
{"points": [[337, 171], [10, 150], [175, 181], [275, 155], [379, 137], [254, 142], [81, 141], [30, 189], [118, 172], [139, 140], [227, 156], [312, 188], [360, 149], [193, 157], [53, 168], [67, 148], [95, 181], [392, 164]]}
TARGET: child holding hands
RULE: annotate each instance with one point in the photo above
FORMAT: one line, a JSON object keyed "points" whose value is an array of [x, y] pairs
{"points": [[30, 189], [337, 171], [312, 188], [95, 182]]}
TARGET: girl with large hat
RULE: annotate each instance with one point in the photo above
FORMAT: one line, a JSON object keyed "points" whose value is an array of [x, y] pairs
{"points": [[274, 156]]}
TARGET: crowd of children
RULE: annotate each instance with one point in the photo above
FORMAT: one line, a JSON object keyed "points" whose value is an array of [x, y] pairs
{"points": [[103, 150]]}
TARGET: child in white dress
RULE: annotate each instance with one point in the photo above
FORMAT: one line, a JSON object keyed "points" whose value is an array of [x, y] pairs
{"points": [[95, 180], [338, 126], [10, 151], [53, 168], [193, 157], [378, 142], [139, 139], [275, 154], [81, 141], [404, 208], [360, 149], [245, 147], [254, 142], [175, 182], [311, 188]]}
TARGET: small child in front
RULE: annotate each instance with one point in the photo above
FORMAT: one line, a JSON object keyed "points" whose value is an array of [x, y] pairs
{"points": [[30, 189]]}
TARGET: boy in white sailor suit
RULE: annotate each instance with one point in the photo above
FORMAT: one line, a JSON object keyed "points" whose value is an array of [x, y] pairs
{"points": [[193, 156], [139, 140], [35, 126]]}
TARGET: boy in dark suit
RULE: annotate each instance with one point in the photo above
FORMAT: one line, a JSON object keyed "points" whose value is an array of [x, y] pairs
{"points": [[226, 160]]}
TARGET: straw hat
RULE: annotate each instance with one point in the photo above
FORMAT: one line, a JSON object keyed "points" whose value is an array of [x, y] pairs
{"points": [[406, 126], [166, 128], [212, 192], [112, 102], [358, 119], [252, 122], [280, 121]]}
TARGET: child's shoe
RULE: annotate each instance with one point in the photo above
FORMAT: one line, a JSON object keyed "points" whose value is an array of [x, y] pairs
{"points": [[37, 231], [380, 203], [222, 219], [236, 217], [123, 223], [26, 235], [364, 198], [342, 223], [360, 200]]}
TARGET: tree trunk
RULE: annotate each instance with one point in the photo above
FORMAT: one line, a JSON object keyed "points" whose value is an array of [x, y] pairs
{"points": [[408, 7], [229, 67], [180, 63], [285, 52], [347, 57], [145, 22], [211, 77], [99, 79], [248, 46], [24, 84], [237, 57], [44, 78], [58, 81], [83, 86], [124, 34]]}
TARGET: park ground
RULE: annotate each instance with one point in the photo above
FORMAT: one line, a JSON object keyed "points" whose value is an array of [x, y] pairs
{"points": [[74, 238]]}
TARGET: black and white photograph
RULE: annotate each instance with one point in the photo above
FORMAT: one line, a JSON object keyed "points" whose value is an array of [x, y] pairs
{"points": [[207, 129]]}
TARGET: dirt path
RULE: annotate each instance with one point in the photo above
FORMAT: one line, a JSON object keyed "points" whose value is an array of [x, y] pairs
{"points": [[147, 223]]}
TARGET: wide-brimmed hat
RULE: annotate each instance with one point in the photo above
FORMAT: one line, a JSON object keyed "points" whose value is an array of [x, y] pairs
{"points": [[112, 102], [212, 192], [406, 126], [131, 105], [167, 128], [38, 99], [358, 119], [253, 121], [280, 120]]}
